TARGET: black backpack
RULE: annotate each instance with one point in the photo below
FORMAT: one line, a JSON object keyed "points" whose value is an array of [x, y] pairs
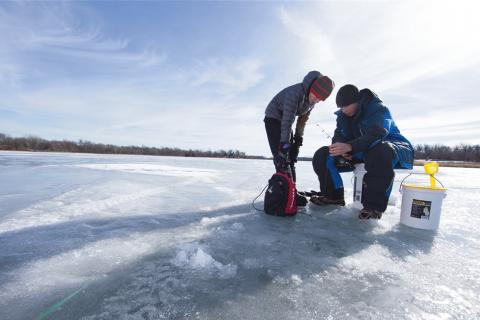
{"points": [[280, 197]]}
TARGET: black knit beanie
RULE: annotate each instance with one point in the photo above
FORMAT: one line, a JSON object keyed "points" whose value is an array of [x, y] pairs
{"points": [[347, 95]]}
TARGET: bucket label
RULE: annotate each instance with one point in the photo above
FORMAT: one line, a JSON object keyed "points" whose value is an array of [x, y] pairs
{"points": [[421, 209]]}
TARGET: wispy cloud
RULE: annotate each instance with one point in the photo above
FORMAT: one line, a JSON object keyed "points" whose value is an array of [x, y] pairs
{"points": [[62, 30], [418, 56], [378, 43], [229, 74], [316, 44]]}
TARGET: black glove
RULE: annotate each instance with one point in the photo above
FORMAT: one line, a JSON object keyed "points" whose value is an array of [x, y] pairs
{"points": [[281, 159], [298, 140], [295, 148]]}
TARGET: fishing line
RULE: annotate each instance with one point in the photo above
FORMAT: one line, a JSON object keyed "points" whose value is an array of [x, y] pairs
{"points": [[48, 312], [253, 202], [324, 131]]}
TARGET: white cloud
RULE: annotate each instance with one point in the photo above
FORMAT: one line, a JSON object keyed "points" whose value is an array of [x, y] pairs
{"points": [[385, 44], [230, 75], [316, 45], [423, 52]]}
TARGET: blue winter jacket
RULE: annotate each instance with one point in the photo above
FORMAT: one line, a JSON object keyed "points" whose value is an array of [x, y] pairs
{"points": [[371, 124]]}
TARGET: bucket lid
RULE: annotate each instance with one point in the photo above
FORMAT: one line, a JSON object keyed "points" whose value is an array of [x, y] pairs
{"points": [[423, 187]]}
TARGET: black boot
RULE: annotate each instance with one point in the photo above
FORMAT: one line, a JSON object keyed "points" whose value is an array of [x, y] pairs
{"points": [[323, 200], [301, 200], [367, 213]]}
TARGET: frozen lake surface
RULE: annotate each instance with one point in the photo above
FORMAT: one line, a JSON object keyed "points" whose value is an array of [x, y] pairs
{"points": [[138, 237]]}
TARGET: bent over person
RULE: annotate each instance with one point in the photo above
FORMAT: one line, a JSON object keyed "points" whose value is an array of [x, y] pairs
{"points": [[296, 100], [366, 133]]}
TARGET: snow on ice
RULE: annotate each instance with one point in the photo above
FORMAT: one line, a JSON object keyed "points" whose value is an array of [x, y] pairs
{"points": [[138, 237]]}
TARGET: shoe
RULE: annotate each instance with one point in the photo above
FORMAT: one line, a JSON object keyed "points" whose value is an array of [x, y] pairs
{"points": [[367, 213], [309, 193], [323, 200], [301, 200]]}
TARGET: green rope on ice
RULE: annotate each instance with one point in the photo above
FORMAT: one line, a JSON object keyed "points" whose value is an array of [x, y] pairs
{"points": [[57, 305]]}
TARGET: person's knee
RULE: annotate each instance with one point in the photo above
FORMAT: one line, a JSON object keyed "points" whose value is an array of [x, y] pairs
{"points": [[321, 153], [382, 151], [319, 158]]}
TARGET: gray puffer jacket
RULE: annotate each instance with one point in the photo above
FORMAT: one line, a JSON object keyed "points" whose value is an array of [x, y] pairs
{"points": [[290, 102]]}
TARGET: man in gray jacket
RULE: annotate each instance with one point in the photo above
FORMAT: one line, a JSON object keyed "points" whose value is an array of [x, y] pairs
{"points": [[296, 100]]}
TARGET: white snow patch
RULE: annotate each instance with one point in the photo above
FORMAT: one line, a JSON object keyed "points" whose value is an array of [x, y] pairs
{"points": [[394, 200], [100, 201], [371, 260], [153, 169], [195, 258], [238, 226], [296, 279], [207, 221]]}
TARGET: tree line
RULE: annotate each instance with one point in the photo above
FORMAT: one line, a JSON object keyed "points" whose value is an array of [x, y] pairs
{"points": [[33, 143], [462, 152]]}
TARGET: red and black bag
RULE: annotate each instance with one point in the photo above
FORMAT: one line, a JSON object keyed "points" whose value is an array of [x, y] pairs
{"points": [[280, 197]]}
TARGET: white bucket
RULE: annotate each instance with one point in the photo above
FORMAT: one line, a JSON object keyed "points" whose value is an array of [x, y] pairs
{"points": [[421, 206], [358, 174]]}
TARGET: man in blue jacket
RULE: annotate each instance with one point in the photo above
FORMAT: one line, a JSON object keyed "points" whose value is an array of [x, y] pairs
{"points": [[365, 133]]}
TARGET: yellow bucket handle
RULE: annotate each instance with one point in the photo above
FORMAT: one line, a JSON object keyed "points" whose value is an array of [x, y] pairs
{"points": [[431, 168], [431, 176]]}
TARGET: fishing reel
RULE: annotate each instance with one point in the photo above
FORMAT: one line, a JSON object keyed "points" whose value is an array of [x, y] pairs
{"points": [[343, 163]]}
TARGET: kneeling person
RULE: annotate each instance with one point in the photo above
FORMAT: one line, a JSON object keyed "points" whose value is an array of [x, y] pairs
{"points": [[366, 133]]}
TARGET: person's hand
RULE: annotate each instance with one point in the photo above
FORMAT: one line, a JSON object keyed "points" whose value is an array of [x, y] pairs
{"points": [[347, 156], [280, 162], [339, 148], [298, 140]]}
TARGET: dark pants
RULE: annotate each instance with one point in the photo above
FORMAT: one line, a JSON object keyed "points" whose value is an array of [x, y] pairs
{"points": [[273, 128], [377, 182]]}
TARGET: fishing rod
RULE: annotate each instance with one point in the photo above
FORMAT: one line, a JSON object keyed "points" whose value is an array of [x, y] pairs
{"points": [[324, 131]]}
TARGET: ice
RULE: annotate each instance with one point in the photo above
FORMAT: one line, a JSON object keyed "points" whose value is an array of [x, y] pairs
{"points": [[139, 237], [194, 257], [153, 169]]}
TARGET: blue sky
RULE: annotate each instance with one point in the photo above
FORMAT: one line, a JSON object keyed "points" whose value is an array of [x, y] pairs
{"points": [[200, 74]]}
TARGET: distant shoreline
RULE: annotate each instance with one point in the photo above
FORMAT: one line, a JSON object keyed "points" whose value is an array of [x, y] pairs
{"points": [[462, 155], [454, 164], [443, 163]]}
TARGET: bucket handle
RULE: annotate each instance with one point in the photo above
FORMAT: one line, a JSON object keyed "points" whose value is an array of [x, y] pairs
{"points": [[401, 183]]}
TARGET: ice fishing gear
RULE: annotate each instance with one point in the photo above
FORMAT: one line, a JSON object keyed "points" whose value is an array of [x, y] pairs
{"points": [[343, 163], [324, 131], [422, 205], [340, 161], [253, 202], [281, 196]]}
